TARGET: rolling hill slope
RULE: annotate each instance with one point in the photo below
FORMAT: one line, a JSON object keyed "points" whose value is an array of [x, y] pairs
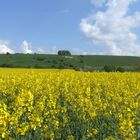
{"points": [[89, 62]]}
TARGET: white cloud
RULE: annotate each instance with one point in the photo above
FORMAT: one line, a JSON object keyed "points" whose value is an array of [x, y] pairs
{"points": [[111, 30], [26, 47], [4, 47], [41, 51]]}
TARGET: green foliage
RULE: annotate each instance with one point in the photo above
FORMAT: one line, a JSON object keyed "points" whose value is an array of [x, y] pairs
{"points": [[120, 69], [78, 69], [6, 65], [7, 53], [64, 53], [109, 68], [137, 68], [61, 66], [40, 59], [71, 66], [81, 61]]}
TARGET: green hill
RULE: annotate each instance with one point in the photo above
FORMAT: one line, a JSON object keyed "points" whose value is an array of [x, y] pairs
{"points": [[88, 62]]}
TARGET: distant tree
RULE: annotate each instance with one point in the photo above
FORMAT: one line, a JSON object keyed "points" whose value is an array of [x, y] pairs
{"points": [[137, 68], [109, 68], [120, 69], [81, 61], [53, 66], [77, 69], [8, 53], [40, 59], [61, 67], [54, 61], [81, 55], [64, 53], [70, 65], [6, 65], [36, 66], [61, 60]]}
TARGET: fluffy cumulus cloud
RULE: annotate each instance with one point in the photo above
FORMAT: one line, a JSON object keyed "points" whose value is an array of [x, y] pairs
{"points": [[111, 30], [4, 47], [26, 47]]}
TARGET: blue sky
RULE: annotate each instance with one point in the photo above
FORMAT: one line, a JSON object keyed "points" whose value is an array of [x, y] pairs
{"points": [[45, 26]]}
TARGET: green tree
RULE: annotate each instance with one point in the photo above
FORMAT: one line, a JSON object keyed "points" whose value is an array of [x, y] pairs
{"points": [[109, 68], [120, 69], [64, 53]]}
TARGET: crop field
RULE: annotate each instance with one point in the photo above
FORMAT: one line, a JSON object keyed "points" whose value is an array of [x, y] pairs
{"points": [[69, 105]]}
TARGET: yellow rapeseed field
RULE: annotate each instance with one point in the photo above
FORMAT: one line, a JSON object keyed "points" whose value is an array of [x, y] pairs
{"points": [[69, 105]]}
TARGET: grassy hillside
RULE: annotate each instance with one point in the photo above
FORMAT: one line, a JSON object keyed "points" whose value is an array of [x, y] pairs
{"points": [[89, 62]]}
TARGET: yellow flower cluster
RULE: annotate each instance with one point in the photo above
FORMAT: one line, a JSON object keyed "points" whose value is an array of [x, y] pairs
{"points": [[64, 104]]}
